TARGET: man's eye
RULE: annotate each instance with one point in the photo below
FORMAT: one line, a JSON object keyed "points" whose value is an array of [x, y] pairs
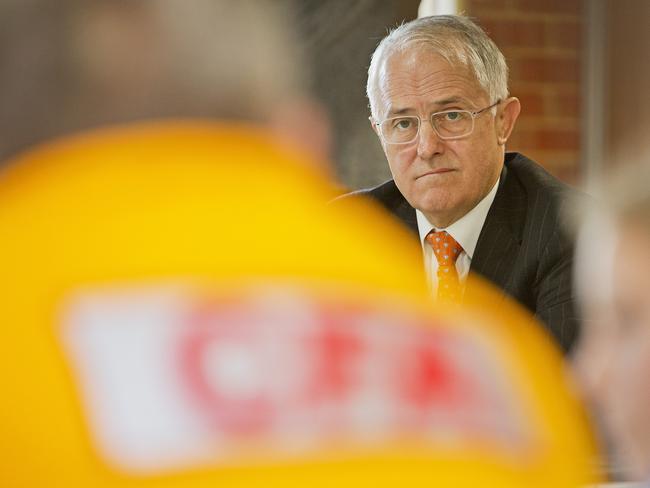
{"points": [[453, 116], [403, 124]]}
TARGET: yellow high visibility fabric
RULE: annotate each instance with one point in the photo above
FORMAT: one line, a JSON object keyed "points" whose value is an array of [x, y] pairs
{"points": [[170, 200]]}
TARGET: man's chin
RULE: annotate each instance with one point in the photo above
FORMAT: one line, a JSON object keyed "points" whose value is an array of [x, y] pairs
{"points": [[437, 203], [439, 214]]}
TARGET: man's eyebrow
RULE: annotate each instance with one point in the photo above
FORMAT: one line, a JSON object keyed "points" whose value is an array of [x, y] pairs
{"points": [[396, 111], [450, 100], [399, 111]]}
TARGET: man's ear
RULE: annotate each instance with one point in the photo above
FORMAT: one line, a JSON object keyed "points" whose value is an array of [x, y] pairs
{"points": [[304, 123], [375, 127], [506, 118]]}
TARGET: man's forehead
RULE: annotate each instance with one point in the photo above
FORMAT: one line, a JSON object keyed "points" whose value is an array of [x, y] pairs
{"points": [[412, 73]]}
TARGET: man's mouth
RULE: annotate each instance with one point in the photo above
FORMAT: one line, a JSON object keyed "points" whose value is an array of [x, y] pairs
{"points": [[437, 171]]}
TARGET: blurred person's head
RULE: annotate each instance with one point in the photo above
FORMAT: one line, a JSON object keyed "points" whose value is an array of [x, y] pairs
{"points": [[613, 274], [432, 65], [72, 64]]}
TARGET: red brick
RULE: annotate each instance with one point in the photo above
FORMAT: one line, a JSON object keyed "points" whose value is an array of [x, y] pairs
{"points": [[564, 34], [547, 139], [572, 7], [566, 105], [515, 33], [522, 140], [558, 139], [568, 174], [477, 8], [548, 69], [532, 104], [489, 3]]}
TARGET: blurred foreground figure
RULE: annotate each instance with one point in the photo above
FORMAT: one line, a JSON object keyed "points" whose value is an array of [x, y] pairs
{"points": [[73, 64], [180, 309], [614, 279]]}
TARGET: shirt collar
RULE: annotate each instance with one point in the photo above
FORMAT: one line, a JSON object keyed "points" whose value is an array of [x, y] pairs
{"points": [[465, 230]]}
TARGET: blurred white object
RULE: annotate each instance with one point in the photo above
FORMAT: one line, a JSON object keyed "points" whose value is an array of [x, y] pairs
{"points": [[437, 7], [172, 380]]}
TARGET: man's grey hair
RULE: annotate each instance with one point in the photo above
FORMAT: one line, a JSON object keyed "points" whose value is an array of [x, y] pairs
{"points": [[456, 39], [71, 64]]}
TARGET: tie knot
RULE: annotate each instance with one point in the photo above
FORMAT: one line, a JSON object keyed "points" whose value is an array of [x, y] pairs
{"points": [[445, 248]]}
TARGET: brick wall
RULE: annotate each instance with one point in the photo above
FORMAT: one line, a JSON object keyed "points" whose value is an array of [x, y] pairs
{"points": [[541, 40]]}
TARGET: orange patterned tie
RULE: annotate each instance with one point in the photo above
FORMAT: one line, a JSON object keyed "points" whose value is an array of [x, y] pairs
{"points": [[446, 251]]}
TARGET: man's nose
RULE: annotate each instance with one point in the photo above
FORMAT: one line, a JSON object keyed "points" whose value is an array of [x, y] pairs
{"points": [[429, 143]]}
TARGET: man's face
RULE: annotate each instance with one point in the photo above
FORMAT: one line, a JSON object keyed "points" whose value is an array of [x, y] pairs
{"points": [[444, 179], [614, 354]]}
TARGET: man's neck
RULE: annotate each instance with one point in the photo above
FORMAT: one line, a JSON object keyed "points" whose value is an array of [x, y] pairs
{"points": [[442, 221]]}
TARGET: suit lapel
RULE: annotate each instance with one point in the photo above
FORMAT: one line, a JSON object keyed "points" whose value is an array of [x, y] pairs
{"points": [[406, 213], [390, 197], [498, 245]]}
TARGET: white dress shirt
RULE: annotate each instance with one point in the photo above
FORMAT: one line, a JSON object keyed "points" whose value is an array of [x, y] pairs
{"points": [[465, 231]]}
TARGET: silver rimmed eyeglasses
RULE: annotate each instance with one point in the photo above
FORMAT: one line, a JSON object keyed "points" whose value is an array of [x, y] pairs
{"points": [[449, 124]]}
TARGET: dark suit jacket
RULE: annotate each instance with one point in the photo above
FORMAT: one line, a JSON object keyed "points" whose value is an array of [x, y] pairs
{"points": [[522, 247]]}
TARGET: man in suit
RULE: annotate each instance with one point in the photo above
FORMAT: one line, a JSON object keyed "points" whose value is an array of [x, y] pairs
{"points": [[439, 100]]}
